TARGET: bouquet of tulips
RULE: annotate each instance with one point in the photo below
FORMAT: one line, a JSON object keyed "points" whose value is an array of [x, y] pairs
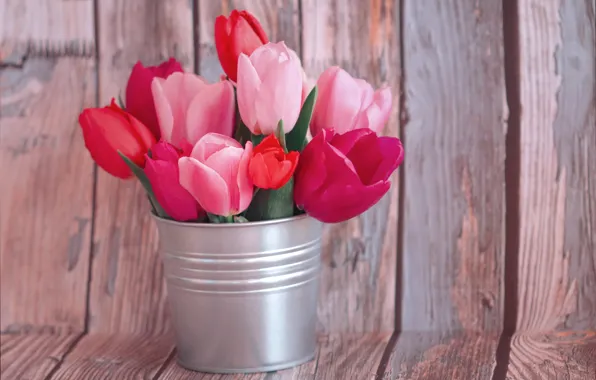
{"points": [[237, 150]]}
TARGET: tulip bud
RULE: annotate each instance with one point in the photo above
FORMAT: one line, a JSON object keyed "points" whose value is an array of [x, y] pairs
{"points": [[216, 174], [139, 99], [270, 167], [345, 103], [110, 130], [269, 88], [188, 107], [163, 174], [240, 33]]}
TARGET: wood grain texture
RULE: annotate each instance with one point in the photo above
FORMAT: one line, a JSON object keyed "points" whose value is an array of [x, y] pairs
{"points": [[437, 356], [47, 179], [557, 252], [279, 18], [46, 27], [455, 150], [352, 356], [32, 357], [122, 357], [127, 288], [554, 355], [358, 280]]}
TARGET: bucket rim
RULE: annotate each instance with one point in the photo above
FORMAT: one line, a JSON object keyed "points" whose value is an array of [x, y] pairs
{"points": [[231, 225]]}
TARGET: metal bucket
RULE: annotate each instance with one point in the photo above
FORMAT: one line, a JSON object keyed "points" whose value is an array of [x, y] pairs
{"points": [[243, 296]]}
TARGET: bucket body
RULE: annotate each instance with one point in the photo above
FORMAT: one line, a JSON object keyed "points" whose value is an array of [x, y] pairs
{"points": [[243, 296]]}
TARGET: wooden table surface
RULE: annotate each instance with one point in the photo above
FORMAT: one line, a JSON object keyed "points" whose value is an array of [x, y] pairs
{"points": [[421, 356], [490, 226]]}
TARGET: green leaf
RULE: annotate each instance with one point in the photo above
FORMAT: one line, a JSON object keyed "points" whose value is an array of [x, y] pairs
{"points": [[140, 174], [242, 134], [281, 135], [296, 139], [121, 102], [220, 219], [256, 139], [240, 219], [272, 204]]}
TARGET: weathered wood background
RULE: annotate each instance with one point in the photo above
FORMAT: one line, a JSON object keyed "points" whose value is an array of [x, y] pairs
{"points": [[480, 263]]}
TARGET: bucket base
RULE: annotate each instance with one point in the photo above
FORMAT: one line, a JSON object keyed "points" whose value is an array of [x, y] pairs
{"points": [[271, 368]]}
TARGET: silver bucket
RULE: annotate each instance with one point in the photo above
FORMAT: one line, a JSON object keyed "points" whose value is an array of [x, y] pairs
{"points": [[243, 296]]}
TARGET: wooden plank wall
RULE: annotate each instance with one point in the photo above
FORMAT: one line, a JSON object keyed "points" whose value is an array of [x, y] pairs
{"points": [[490, 224]]}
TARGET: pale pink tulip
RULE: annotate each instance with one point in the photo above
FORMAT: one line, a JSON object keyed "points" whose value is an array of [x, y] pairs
{"points": [[216, 174], [345, 103], [269, 88], [188, 107]]}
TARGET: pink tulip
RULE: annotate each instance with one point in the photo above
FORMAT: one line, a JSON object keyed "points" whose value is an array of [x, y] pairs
{"points": [[163, 174], [139, 100], [269, 88], [188, 107], [341, 176], [345, 103], [216, 174]]}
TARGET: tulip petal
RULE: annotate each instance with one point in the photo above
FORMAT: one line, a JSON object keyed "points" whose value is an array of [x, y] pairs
{"points": [[100, 144], [267, 56], [245, 186], [338, 204], [212, 143], [279, 97], [255, 25], [361, 147], [366, 93], [324, 84], [173, 198], [226, 163], [205, 185], [172, 98], [162, 108], [164, 151], [393, 155], [346, 141], [342, 102], [378, 113], [165, 69], [211, 110], [139, 100], [247, 89], [257, 169], [311, 171], [226, 57]]}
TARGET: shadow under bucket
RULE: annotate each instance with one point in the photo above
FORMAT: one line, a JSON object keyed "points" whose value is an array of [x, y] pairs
{"points": [[243, 296]]}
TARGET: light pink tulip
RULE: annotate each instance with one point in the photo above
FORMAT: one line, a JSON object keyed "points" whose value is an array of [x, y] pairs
{"points": [[216, 174], [345, 103], [188, 107], [269, 88]]}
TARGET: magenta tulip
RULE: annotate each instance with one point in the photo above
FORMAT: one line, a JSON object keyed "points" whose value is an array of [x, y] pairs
{"points": [[216, 174], [163, 174], [188, 107], [340, 176], [345, 103], [269, 88]]}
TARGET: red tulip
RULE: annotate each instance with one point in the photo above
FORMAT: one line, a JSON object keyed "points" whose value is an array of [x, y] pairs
{"points": [[341, 176], [110, 129], [240, 33], [139, 99], [163, 173], [270, 167]]}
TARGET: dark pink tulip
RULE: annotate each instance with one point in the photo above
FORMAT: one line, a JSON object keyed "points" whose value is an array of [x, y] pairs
{"points": [[163, 173], [341, 176], [139, 99]]}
